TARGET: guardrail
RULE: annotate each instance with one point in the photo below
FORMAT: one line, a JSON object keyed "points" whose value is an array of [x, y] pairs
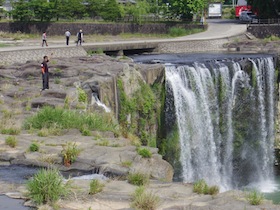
{"points": [[275, 21]]}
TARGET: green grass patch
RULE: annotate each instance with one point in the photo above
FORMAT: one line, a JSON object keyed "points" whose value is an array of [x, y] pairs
{"points": [[67, 119], [143, 200], [175, 31], [46, 187], [138, 179], [95, 187], [10, 131], [126, 164], [254, 197], [144, 152], [11, 141]]}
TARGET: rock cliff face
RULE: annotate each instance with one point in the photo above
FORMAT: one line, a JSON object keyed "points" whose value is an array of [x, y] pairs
{"points": [[98, 76]]}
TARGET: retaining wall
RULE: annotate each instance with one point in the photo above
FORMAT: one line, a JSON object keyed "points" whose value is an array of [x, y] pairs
{"points": [[92, 28], [263, 31]]}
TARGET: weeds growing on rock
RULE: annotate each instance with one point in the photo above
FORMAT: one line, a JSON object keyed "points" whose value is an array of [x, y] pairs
{"points": [[254, 197], [103, 143], [70, 153], [144, 152], [143, 200], [201, 187], [126, 164], [95, 187], [138, 179], [11, 141], [46, 186], [34, 147]]}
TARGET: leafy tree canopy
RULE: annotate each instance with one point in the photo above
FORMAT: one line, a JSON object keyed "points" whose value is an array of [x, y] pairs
{"points": [[265, 9]]}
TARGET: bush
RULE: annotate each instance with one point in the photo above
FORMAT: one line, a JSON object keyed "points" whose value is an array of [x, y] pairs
{"points": [[11, 141], [46, 186], [138, 179], [67, 119], [200, 187], [144, 201], [144, 152], [34, 147], [255, 197], [95, 187], [70, 153]]}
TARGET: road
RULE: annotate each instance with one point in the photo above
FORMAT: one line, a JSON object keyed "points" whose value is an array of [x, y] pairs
{"points": [[217, 29]]}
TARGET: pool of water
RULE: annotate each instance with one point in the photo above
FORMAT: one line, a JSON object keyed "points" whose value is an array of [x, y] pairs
{"points": [[7, 203], [274, 192]]}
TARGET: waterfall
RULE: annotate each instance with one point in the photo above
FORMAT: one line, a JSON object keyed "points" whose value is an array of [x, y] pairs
{"points": [[225, 120]]}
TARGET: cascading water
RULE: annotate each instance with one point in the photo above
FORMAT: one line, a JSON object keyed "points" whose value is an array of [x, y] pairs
{"points": [[225, 120]]}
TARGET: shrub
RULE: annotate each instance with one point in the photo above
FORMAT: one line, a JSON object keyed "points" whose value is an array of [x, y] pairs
{"points": [[200, 187], [144, 201], [138, 179], [95, 187], [70, 153], [46, 186], [255, 197], [213, 190], [144, 152], [34, 147], [11, 141]]}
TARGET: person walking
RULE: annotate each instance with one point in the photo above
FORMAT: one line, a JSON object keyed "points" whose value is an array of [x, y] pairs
{"points": [[45, 72], [67, 35], [80, 37], [44, 39]]}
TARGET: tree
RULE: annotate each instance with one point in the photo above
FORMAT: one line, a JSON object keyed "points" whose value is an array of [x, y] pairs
{"points": [[138, 11], [22, 11], [185, 9], [265, 9], [94, 8], [111, 11]]}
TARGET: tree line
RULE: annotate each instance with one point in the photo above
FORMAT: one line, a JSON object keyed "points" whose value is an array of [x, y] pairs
{"points": [[107, 10]]}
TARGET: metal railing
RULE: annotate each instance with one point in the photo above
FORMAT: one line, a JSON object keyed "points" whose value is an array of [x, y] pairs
{"points": [[275, 21]]}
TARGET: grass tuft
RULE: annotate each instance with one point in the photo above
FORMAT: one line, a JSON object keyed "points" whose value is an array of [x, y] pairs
{"points": [[143, 200], [255, 197], [138, 179], [200, 187], [34, 147], [70, 153], [95, 187], [144, 152], [46, 186], [11, 141]]}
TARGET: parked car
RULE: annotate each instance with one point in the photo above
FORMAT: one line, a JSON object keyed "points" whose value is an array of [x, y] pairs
{"points": [[248, 16]]}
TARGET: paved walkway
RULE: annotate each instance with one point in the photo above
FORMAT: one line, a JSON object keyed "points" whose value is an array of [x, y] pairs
{"points": [[211, 40]]}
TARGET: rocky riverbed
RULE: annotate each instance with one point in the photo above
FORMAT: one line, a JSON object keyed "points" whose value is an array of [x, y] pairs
{"points": [[101, 152]]}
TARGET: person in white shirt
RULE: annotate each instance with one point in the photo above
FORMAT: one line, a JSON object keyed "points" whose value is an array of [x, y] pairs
{"points": [[67, 35]]}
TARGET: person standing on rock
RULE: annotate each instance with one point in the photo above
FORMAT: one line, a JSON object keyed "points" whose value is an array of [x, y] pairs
{"points": [[44, 39], [67, 35], [45, 73], [80, 37]]}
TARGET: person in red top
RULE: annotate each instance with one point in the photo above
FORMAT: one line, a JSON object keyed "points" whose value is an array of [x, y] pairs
{"points": [[45, 73]]}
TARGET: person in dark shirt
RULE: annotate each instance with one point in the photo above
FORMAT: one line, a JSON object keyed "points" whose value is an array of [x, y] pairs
{"points": [[80, 37], [45, 73]]}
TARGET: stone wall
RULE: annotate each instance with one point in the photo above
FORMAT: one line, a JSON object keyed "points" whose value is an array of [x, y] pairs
{"points": [[92, 28], [263, 31]]}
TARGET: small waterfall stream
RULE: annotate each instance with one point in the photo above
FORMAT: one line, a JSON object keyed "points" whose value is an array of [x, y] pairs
{"points": [[225, 120]]}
